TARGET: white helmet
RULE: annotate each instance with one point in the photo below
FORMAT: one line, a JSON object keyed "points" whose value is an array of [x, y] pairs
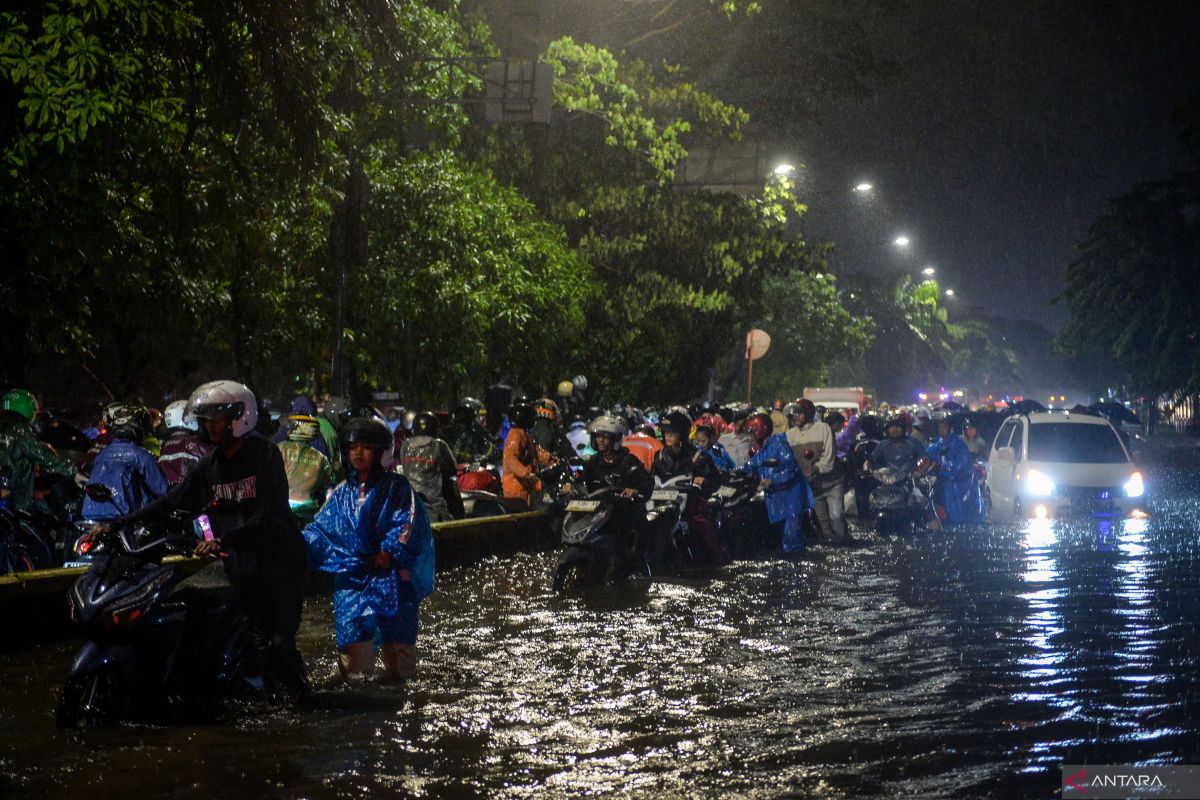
{"points": [[226, 398], [176, 417], [608, 424]]}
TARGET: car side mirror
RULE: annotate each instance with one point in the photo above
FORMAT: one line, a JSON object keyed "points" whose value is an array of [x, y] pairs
{"points": [[1006, 454]]}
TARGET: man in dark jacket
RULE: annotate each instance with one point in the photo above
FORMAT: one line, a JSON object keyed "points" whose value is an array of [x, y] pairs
{"points": [[242, 487]]}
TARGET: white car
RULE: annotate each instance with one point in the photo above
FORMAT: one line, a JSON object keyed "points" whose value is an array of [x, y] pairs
{"points": [[1057, 463]]}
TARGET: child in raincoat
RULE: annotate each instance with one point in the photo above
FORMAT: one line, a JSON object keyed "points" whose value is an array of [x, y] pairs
{"points": [[374, 536]]}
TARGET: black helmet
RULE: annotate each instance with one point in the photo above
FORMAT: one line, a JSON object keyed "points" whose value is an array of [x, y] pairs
{"points": [[129, 421], [676, 422], [366, 430], [425, 424], [521, 415], [467, 411], [897, 421]]}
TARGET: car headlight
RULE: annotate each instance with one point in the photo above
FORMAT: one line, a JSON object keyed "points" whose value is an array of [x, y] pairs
{"points": [[1039, 485], [1135, 487]]}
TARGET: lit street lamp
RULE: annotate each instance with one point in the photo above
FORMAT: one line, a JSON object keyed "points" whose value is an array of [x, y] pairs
{"points": [[902, 241], [863, 188], [949, 293], [929, 272], [784, 169]]}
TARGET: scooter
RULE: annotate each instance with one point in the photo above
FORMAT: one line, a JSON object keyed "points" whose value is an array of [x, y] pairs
{"points": [[597, 550], [896, 507], [149, 649], [668, 541], [740, 510]]}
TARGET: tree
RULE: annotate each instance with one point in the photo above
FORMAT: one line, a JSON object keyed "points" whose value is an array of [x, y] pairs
{"points": [[914, 343], [811, 331], [1130, 291]]}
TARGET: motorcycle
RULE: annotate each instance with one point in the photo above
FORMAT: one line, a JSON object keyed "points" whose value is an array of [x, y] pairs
{"points": [[149, 646], [740, 511], [669, 538], [895, 506], [35, 539], [599, 548], [22, 547]]}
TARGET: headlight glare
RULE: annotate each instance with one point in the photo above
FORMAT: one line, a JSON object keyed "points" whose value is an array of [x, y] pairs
{"points": [[1135, 486], [1039, 485]]}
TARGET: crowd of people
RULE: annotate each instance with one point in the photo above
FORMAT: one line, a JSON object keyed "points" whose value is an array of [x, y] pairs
{"points": [[353, 491]]}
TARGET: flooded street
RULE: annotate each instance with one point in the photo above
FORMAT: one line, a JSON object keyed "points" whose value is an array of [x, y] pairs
{"points": [[968, 664]]}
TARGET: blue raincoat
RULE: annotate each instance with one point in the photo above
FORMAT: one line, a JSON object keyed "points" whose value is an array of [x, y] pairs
{"points": [[957, 475], [720, 456], [344, 539], [789, 495], [133, 476]]}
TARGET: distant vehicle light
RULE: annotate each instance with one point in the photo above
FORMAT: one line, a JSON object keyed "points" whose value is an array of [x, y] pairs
{"points": [[1135, 486], [1040, 512], [1039, 485]]}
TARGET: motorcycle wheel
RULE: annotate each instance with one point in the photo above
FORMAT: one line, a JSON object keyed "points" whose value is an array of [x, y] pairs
{"points": [[569, 577], [102, 702], [67, 713]]}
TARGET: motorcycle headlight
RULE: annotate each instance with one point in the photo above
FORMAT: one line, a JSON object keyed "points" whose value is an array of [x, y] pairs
{"points": [[1135, 486], [1039, 485]]}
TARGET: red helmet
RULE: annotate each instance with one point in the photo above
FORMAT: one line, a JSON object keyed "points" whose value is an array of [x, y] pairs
{"points": [[759, 426]]}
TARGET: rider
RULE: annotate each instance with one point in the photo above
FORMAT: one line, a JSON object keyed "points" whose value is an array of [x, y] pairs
{"points": [[975, 443], [129, 471], [707, 427], [921, 430], [680, 457], [955, 471], [787, 493], [184, 446], [642, 442], [577, 435], [309, 473], [813, 446], [897, 451], [546, 431], [522, 456], [22, 451], [430, 467], [375, 537], [468, 440], [242, 487]]}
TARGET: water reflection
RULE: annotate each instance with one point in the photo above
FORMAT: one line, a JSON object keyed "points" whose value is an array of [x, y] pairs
{"points": [[1090, 620], [1043, 621]]}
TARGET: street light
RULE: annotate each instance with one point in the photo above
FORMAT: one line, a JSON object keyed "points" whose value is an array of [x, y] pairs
{"points": [[949, 293], [784, 169], [902, 241], [863, 188], [929, 272]]}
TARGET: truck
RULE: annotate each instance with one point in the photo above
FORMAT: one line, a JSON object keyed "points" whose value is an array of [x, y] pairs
{"points": [[839, 398]]}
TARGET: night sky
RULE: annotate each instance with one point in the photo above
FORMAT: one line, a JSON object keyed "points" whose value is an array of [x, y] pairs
{"points": [[994, 132], [999, 140]]}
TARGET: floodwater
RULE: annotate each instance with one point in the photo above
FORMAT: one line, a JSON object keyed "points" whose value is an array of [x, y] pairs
{"points": [[969, 664]]}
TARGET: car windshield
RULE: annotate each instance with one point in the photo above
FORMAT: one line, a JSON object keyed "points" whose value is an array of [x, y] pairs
{"points": [[1075, 444]]}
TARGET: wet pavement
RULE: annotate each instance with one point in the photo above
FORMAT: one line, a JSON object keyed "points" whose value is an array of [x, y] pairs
{"points": [[968, 664]]}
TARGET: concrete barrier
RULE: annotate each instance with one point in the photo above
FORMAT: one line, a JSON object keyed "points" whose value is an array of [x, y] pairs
{"points": [[43, 592]]}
